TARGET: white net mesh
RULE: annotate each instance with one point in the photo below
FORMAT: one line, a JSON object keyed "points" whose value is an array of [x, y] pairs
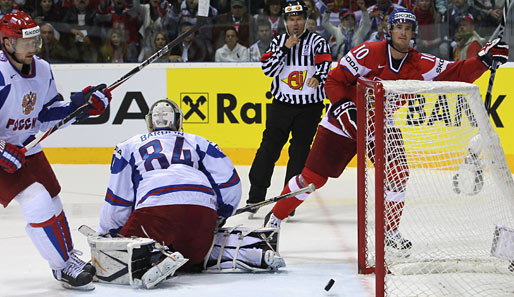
{"points": [[445, 165]]}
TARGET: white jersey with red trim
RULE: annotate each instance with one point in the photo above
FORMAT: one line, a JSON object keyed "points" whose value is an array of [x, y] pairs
{"points": [[28, 103], [168, 168]]}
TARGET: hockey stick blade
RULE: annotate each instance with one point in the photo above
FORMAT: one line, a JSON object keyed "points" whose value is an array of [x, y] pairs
{"points": [[309, 188], [500, 29], [87, 231]]}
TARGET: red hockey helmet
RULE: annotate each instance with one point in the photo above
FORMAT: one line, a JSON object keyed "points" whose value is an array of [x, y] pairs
{"points": [[18, 25]]}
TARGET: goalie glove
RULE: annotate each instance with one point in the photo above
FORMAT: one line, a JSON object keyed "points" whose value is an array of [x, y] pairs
{"points": [[495, 50], [97, 98], [11, 157], [345, 112]]}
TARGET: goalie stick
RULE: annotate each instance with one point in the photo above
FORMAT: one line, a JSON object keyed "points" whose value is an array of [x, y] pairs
{"points": [[500, 29], [309, 188], [203, 12]]}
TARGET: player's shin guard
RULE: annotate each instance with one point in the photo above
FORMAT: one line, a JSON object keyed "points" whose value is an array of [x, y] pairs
{"points": [[394, 208], [394, 212], [63, 222], [283, 208], [43, 228], [49, 240]]}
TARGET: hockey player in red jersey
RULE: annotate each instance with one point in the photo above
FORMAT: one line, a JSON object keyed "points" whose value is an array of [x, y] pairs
{"points": [[335, 142]]}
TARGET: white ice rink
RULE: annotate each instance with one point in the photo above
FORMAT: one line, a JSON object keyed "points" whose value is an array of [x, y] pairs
{"points": [[318, 244]]}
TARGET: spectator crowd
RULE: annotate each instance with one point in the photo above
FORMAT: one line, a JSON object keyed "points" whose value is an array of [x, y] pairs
{"points": [[116, 31]]}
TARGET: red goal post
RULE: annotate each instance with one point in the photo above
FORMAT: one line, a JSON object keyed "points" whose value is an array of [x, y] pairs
{"points": [[432, 175]]}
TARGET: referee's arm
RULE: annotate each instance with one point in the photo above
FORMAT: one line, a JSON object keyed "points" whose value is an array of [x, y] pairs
{"points": [[273, 60]]}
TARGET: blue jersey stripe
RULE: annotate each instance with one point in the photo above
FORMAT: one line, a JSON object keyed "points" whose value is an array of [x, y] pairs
{"points": [[4, 93]]}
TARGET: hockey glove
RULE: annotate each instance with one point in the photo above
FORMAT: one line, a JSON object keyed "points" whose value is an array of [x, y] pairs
{"points": [[11, 157], [97, 98], [345, 112], [220, 222], [495, 50]]}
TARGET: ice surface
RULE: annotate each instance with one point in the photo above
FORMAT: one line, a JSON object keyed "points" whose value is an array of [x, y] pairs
{"points": [[318, 244]]}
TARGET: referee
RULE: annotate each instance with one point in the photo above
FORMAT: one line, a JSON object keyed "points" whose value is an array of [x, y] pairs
{"points": [[299, 62]]}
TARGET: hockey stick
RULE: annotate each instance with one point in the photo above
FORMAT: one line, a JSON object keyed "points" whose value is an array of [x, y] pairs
{"points": [[501, 30], [203, 10], [309, 188]]}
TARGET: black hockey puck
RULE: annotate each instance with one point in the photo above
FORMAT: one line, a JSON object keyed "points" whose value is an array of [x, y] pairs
{"points": [[329, 284]]}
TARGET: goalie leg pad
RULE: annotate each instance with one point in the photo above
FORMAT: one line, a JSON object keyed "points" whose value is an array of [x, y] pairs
{"points": [[121, 260], [244, 250]]}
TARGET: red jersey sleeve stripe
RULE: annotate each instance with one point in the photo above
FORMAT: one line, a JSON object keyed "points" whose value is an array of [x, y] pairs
{"points": [[266, 56], [322, 58]]}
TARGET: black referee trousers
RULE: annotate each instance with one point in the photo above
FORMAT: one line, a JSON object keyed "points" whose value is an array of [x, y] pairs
{"points": [[299, 120]]}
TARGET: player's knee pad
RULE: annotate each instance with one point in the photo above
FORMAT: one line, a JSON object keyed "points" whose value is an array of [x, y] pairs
{"points": [[310, 177], [58, 208], [244, 250], [36, 203]]}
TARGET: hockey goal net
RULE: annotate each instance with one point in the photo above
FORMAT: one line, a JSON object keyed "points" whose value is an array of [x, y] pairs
{"points": [[433, 186]]}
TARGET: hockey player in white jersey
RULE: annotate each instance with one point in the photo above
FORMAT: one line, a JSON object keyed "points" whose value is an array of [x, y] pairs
{"points": [[173, 187], [171, 183], [29, 103]]}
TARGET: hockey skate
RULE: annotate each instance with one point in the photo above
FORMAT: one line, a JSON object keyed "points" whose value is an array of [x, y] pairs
{"points": [[74, 277], [86, 266], [271, 221], [395, 240], [252, 212], [163, 269]]}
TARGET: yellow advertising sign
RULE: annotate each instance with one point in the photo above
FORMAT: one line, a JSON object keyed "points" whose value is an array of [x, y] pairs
{"points": [[225, 105], [502, 110], [228, 106]]}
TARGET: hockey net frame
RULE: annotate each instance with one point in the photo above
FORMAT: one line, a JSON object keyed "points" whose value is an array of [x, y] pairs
{"points": [[429, 275]]}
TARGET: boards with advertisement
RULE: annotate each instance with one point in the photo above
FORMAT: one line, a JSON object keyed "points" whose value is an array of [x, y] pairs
{"points": [[224, 102]]}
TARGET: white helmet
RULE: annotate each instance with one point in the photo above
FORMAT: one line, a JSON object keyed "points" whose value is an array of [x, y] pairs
{"points": [[164, 115]]}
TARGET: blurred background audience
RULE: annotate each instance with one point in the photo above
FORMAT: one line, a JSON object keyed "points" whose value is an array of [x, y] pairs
{"points": [[97, 31]]}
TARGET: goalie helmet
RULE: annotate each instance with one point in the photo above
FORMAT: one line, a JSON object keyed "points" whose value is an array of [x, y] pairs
{"points": [[402, 15], [164, 115]]}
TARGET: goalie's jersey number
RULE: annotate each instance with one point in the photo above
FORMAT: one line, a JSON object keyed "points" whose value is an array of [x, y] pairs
{"points": [[154, 150]]}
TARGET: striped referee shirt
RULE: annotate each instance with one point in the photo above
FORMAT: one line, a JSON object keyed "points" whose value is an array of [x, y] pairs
{"points": [[291, 67]]}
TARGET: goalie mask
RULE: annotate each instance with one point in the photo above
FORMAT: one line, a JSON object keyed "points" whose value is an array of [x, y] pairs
{"points": [[164, 115]]}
